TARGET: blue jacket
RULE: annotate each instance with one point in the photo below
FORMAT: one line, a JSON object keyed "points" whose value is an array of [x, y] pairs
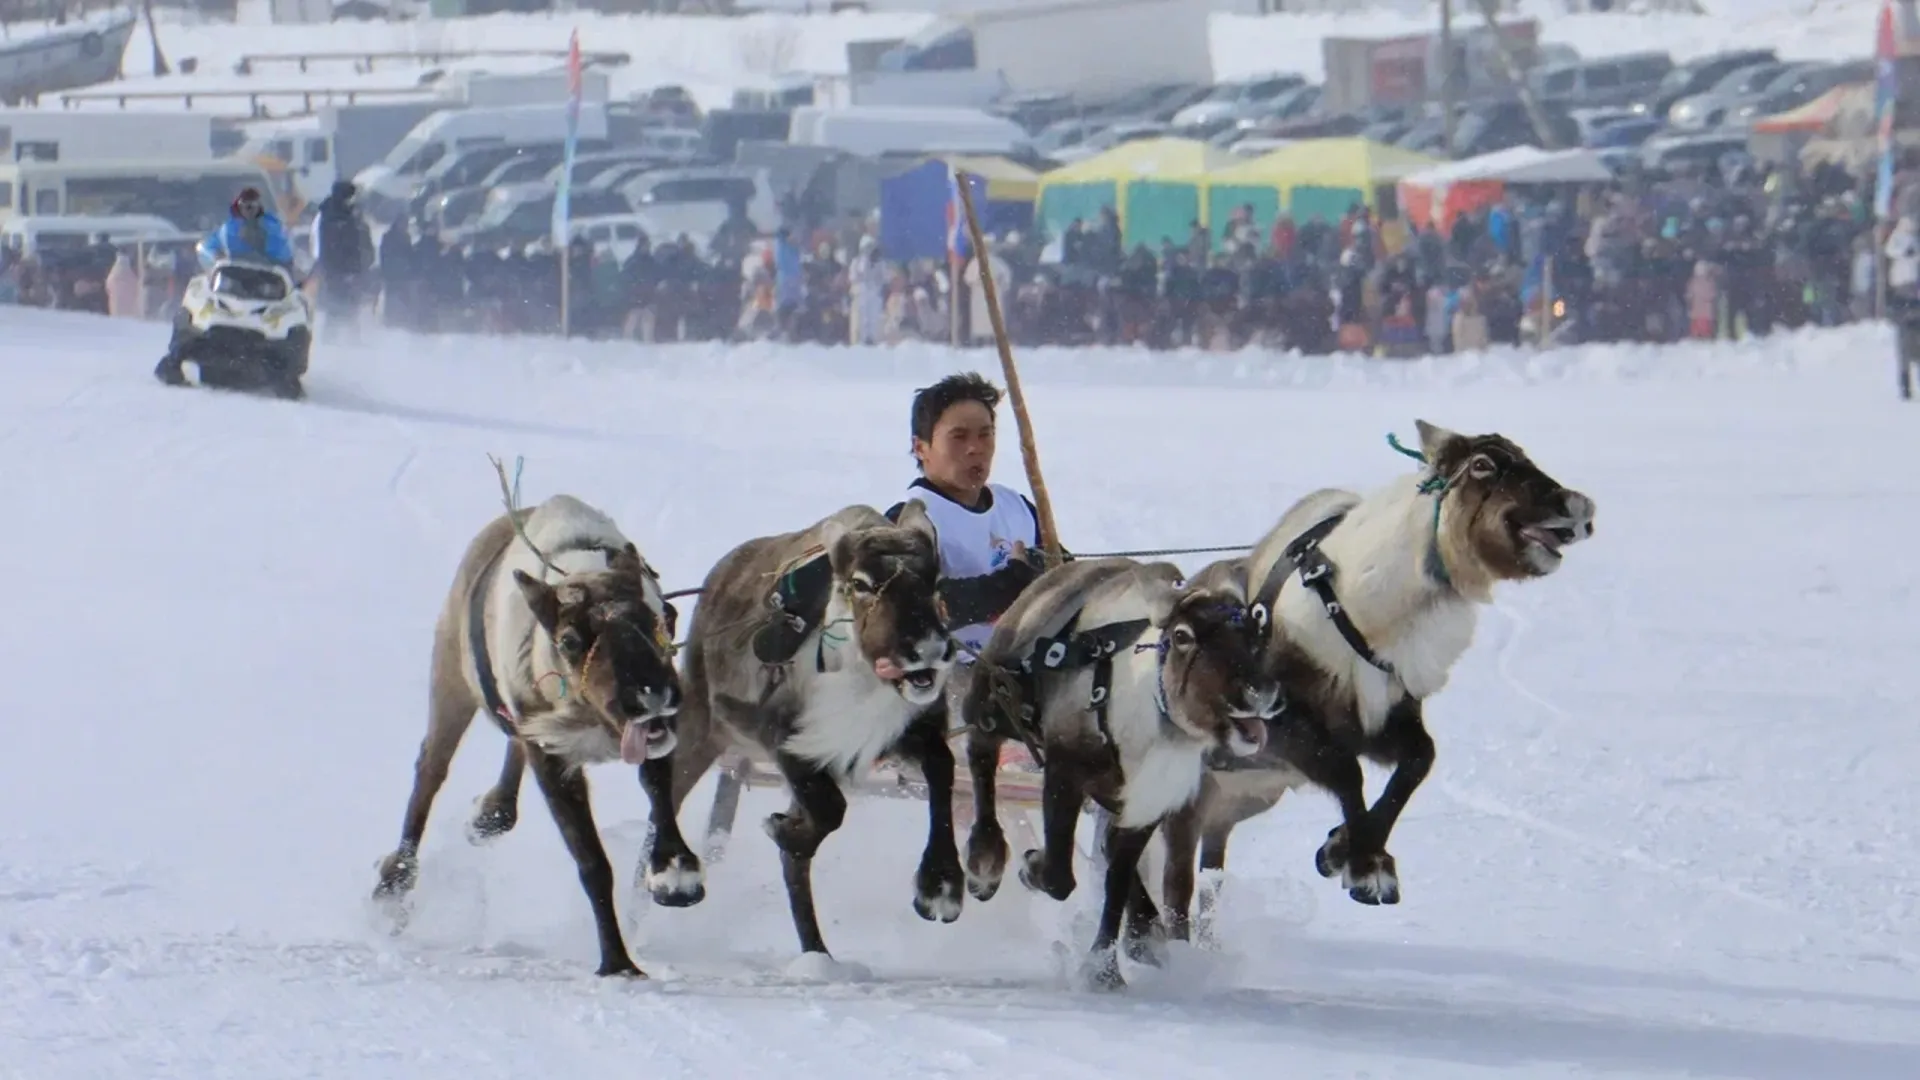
{"points": [[230, 241]]}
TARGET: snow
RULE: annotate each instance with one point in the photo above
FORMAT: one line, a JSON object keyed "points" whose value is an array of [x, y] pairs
{"points": [[711, 56], [1670, 831]]}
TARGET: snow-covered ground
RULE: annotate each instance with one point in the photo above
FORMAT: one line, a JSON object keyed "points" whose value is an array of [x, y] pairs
{"points": [[710, 57], [1671, 830]]}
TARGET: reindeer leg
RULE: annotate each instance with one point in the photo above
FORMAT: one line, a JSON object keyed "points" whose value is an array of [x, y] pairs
{"points": [[1050, 870], [1182, 832], [1144, 934], [1364, 866], [568, 799], [1213, 863], [450, 712], [674, 875], [498, 811], [937, 884], [817, 810], [1124, 847], [986, 842], [1406, 743]]}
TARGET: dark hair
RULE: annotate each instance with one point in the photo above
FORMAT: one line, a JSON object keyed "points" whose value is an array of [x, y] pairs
{"points": [[930, 403]]}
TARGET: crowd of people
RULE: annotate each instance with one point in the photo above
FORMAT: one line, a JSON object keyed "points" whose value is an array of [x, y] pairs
{"points": [[1710, 254]]}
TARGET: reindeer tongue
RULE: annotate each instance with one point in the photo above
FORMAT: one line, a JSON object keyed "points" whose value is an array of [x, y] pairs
{"points": [[633, 743], [887, 668], [1252, 729]]}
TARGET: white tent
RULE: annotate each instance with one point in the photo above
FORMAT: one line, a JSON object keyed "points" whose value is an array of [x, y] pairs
{"points": [[1521, 165], [1438, 195]]}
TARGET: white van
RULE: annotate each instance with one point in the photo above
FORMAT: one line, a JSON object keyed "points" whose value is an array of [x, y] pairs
{"points": [[875, 130], [394, 179], [34, 233]]}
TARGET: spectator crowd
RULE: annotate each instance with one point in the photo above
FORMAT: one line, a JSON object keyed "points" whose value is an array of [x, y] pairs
{"points": [[1713, 253]]}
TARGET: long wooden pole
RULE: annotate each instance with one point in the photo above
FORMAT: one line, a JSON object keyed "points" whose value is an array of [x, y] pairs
{"points": [[1049, 532]]}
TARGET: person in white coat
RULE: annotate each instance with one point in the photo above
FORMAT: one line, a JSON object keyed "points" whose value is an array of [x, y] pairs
{"points": [[980, 322], [989, 533], [867, 278], [1903, 296]]}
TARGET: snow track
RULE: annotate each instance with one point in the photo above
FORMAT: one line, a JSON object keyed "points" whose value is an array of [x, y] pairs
{"points": [[1671, 829]]}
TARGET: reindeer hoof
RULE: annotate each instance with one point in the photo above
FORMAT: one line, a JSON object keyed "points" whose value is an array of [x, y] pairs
{"points": [[678, 882], [1102, 971], [1034, 875], [491, 819], [398, 875], [1331, 859], [987, 855], [1372, 879], [937, 894], [621, 966]]}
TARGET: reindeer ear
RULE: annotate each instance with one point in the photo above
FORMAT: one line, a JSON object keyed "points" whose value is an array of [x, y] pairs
{"points": [[627, 561], [1433, 439], [913, 515], [541, 597]]}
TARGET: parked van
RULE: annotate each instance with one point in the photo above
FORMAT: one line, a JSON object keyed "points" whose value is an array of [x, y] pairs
{"points": [[449, 131]]}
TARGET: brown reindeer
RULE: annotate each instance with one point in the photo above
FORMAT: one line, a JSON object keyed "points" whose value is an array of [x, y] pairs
{"points": [[1122, 679], [575, 670], [1370, 602], [867, 681]]}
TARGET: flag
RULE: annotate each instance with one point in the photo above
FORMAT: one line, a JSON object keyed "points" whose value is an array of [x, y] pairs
{"points": [[563, 193], [1886, 94], [959, 240]]}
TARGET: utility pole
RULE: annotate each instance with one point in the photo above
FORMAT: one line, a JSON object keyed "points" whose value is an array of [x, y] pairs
{"points": [[1446, 74]]}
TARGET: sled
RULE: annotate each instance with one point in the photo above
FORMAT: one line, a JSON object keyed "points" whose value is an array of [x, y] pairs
{"points": [[1017, 784]]}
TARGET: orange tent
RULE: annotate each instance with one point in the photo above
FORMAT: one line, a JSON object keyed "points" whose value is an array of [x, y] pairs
{"points": [[1809, 119]]}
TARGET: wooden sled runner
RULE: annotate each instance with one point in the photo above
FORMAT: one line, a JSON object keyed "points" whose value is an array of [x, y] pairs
{"points": [[1018, 785]]}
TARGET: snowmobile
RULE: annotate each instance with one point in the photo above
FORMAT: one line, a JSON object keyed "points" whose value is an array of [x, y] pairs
{"points": [[244, 325]]}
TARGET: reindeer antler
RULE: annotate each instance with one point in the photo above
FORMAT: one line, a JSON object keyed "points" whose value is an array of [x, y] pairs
{"points": [[511, 496]]}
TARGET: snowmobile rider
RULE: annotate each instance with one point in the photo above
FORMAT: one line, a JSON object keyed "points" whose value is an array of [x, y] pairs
{"points": [[989, 534], [248, 233]]}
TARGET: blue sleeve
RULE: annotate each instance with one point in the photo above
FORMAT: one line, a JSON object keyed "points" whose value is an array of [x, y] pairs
{"points": [[209, 249]]}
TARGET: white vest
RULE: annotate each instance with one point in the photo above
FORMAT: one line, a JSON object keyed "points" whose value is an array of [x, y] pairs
{"points": [[978, 542]]}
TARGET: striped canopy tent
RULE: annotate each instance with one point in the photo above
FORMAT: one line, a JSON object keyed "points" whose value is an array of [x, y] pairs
{"points": [[1153, 184], [1322, 177]]}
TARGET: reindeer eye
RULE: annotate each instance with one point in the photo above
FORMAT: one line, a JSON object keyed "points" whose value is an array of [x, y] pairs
{"points": [[570, 641], [1480, 467], [1183, 637], [862, 585]]}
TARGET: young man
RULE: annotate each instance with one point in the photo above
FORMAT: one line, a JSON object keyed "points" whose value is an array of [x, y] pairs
{"points": [[989, 533]]}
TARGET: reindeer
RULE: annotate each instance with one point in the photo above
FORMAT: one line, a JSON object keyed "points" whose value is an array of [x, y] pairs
{"points": [[868, 681], [1123, 723], [1370, 602], [576, 670]]}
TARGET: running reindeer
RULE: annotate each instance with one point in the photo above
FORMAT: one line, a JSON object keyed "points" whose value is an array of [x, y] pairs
{"points": [[1371, 601], [576, 670], [1126, 724], [869, 681]]}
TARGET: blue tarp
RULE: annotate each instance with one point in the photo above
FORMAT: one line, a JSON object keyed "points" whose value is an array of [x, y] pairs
{"points": [[913, 213]]}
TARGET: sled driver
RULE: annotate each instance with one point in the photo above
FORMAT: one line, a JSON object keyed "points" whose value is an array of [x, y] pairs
{"points": [[989, 533], [248, 233]]}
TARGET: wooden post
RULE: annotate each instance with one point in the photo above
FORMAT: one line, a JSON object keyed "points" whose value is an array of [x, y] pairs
{"points": [[1049, 533], [566, 291]]}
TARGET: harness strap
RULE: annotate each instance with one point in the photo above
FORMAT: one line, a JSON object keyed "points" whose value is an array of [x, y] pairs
{"points": [[1068, 649], [1317, 573]]}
